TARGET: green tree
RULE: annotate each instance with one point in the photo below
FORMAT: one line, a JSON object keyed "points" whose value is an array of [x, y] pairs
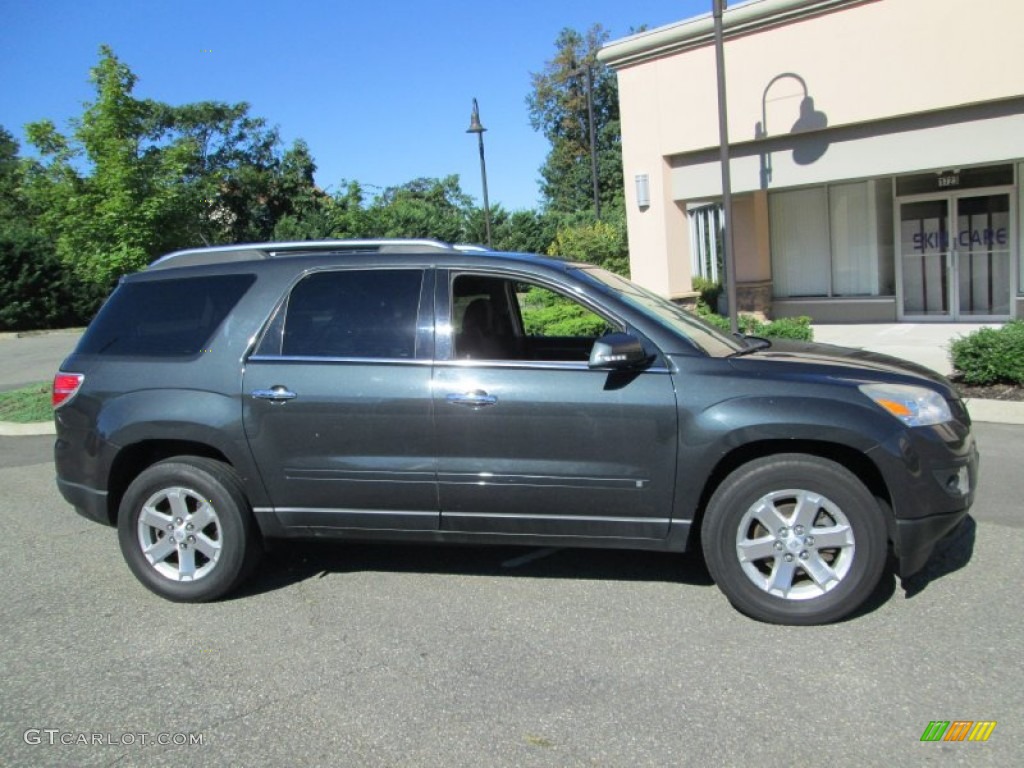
{"points": [[596, 242], [558, 109], [431, 208], [111, 218], [136, 178], [10, 177], [35, 289]]}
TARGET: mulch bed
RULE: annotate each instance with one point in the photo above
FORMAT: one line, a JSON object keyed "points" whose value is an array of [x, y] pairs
{"points": [[991, 391]]}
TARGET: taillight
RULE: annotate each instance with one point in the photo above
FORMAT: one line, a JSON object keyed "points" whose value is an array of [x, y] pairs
{"points": [[65, 385]]}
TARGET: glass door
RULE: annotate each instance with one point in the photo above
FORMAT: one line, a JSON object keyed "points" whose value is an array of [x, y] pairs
{"points": [[925, 258], [955, 257], [982, 251]]}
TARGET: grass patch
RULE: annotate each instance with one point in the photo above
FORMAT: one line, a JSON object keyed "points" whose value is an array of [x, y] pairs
{"points": [[27, 404]]}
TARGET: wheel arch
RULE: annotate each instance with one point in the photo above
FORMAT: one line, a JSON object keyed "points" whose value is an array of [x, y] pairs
{"points": [[133, 459], [852, 459]]}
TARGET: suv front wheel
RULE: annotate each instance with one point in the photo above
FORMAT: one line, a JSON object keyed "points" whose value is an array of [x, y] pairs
{"points": [[794, 539], [186, 529]]}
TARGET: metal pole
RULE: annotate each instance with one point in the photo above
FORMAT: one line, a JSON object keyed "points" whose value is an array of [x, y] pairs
{"points": [[723, 140], [593, 141], [487, 205], [476, 127]]}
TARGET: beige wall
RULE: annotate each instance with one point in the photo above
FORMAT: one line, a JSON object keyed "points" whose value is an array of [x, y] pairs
{"points": [[861, 62], [879, 59]]}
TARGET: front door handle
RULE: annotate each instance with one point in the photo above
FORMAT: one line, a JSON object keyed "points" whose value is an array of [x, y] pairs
{"points": [[474, 399], [276, 394]]}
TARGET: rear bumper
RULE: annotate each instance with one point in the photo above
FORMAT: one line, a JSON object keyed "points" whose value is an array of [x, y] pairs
{"points": [[88, 502]]}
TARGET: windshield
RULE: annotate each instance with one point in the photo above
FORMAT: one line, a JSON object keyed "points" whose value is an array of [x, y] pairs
{"points": [[702, 335]]}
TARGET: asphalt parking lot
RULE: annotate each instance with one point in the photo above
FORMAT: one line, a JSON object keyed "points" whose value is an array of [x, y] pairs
{"points": [[385, 655]]}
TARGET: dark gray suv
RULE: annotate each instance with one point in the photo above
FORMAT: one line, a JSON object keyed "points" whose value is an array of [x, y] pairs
{"points": [[414, 391]]}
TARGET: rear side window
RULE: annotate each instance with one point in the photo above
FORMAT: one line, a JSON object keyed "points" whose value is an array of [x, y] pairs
{"points": [[164, 318], [349, 313]]}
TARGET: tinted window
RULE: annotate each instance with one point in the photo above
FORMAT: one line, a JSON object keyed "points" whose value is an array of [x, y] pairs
{"points": [[353, 313], [163, 318]]}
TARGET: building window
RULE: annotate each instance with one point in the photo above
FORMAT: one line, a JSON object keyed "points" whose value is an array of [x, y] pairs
{"points": [[706, 240], [834, 240]]}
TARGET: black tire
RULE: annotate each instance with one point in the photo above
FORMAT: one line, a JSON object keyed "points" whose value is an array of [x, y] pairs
{"points": [[212, 544], [810, 503]]}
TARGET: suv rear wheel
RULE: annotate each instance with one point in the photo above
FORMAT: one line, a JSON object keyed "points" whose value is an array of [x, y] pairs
{"points": [[794, 539], [186, 529]]}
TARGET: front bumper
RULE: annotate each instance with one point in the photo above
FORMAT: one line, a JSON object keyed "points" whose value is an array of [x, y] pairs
{"points": [[918, 539], [932, 476]]}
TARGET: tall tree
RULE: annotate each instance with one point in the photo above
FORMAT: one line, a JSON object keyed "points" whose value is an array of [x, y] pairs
{"points": [[10, 174], [35, 290], [559, 109], [136, 177], [434, 208]]}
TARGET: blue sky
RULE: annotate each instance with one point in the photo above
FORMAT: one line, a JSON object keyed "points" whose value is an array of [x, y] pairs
{"points": [[381, 91]]}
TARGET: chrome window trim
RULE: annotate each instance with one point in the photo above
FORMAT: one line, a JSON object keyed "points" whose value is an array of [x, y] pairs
{"points": [[535, 365], [354, 360]]}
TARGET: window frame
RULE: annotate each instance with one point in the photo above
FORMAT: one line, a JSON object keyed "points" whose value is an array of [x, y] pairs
{"points": [[444, 303]]}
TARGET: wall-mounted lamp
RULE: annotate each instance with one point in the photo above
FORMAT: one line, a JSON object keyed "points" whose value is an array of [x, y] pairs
{"points": [[643, 191]]}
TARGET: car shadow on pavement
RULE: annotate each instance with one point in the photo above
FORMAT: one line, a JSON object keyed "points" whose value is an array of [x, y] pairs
{"points": [[952, 553], [289, 562]]}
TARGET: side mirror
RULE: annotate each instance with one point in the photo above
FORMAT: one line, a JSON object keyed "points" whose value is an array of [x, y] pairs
{"points": [[617, 351]]}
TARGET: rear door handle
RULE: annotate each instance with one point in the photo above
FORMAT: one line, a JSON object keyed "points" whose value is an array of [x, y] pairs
{"points": [[276, 394], [474, 399]]}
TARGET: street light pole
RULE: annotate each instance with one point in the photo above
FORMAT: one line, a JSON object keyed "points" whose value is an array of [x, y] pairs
{"points": [[723, 142], [593, 140], [588, 70], [476, 127]]}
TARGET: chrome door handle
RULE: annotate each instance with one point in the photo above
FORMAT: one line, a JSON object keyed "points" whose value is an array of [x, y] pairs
{"points": [[475, 399], [276, 394]]}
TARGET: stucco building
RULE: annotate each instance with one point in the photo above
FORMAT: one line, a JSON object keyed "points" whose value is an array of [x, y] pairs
{"points": [[877, 156]]}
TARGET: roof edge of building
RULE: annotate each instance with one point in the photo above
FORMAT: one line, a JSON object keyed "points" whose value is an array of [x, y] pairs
{"points": [[699, 31]]}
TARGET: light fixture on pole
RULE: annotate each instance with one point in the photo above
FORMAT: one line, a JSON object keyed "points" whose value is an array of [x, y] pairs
{"points": [[723, 141], [476, 127]]}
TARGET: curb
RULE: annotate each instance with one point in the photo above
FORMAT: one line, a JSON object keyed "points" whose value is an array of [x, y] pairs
{"points": [[14, 429], [996, 411], [985, 411], [8, 335]]}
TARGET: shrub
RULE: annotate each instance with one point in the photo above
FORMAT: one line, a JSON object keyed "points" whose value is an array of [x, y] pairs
{"points": [[36, 290], [547, 314], [598, 242], [710, 290], [991, 355], [798, 328]]}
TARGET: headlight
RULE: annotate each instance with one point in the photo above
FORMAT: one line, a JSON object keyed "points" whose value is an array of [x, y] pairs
{"points": [[914, 406]]}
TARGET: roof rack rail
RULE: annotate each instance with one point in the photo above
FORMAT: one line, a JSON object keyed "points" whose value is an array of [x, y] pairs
{"points": [[252, 251]]}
